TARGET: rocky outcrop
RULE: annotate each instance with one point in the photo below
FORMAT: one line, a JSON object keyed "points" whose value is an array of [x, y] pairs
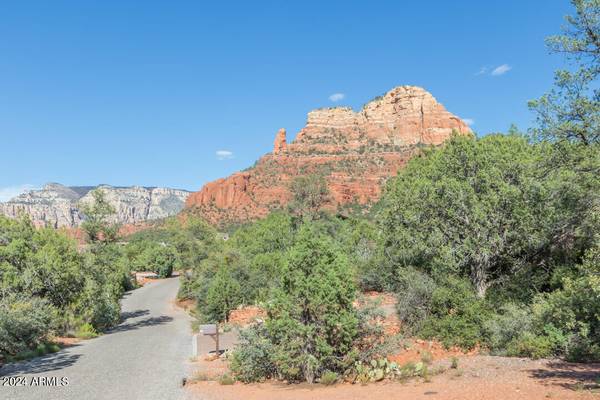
{"points": [[355, 152], [57, 206], [280, 145]]}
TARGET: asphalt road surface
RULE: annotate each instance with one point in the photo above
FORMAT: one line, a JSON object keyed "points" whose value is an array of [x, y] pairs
{"points": [[145, 357]]}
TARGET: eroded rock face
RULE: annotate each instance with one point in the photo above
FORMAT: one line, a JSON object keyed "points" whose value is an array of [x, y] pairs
{"points": [[355, 151], [57, 206]]}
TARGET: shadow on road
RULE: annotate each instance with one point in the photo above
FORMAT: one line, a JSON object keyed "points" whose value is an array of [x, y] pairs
{"points": [[47, 363], [133, 314], [152, 321], [573, 376]]}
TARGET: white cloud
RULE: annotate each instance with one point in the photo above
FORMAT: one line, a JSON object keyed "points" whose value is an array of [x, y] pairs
{"points": [[482, 70], [224, 154], [9, 192], [501, 70], [469, 121], [337, 97]]}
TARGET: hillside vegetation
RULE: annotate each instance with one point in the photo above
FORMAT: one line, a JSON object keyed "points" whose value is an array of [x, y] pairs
{"points": [[490, 242], [50, 286]]}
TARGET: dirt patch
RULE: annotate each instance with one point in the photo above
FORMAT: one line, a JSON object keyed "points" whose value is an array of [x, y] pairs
{"points": [[244, 316], [207, 367], [383, 298], [65, 341], [416, 350], [186, 304], [476, 378]]}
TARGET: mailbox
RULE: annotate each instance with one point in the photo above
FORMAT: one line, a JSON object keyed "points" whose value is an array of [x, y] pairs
{"points": [[209, 330], [212, 330]]}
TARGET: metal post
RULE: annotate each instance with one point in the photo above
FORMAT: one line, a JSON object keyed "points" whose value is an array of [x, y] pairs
{"points": [[217, 339]]}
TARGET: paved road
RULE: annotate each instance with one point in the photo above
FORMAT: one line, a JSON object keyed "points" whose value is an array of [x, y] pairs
{"points": [[145, 357]]}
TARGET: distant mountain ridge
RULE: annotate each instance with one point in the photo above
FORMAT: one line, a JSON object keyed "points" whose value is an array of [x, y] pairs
{"points": [[56, 205]]}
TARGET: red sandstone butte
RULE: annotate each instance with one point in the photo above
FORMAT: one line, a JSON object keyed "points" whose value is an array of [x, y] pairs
{"points": [[356, 152]]}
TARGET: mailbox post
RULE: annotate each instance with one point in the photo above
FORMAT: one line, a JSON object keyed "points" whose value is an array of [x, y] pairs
{"points": [[212, 330]]}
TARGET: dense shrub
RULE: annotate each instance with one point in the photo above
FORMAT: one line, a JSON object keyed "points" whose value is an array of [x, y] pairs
{"points": [[226, 379], [574, 311], [224, 294], [530, 345], [311, 319], [24, 323], [328, 378], [161, 260], [48, 286], [311, 325], [414, 293], [456, 315], [86, 331], [252, 261], [251, 362], [190, 238], [507, 326]]}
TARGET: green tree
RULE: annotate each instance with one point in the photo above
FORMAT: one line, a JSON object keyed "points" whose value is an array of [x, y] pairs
{"points": [[310, 193], [159, 258], [48, 286], [456, 316], [311, 319], [224, 294], [569, 118], [571, 112], [55, 271], [97, 215], [471, 208], [275, 233], [39, 263]]}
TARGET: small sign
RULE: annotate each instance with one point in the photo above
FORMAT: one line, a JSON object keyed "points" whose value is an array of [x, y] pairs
{"points": [[210, 329]]}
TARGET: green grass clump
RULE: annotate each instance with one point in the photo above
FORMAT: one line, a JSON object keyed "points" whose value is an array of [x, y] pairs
{"points": [[427, 357], [86, 331], [46, 348], [329, 378], [200, 376], [40, 350], [226, 379], [454, 363]]}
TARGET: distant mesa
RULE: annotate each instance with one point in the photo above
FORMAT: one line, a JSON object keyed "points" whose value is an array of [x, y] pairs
{"points": [[57, 206], [355, 151]]}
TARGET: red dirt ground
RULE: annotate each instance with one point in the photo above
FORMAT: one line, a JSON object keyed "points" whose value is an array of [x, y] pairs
{"points": [[65, 341], [477, 378], [416, 349], [244, 316]]}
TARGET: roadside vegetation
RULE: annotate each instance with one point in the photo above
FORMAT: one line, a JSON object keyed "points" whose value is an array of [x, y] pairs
{"points": [[51, 285], [489, 243]]}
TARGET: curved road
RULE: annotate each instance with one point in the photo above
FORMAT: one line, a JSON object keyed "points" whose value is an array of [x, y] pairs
{"points": [[144, 357]]}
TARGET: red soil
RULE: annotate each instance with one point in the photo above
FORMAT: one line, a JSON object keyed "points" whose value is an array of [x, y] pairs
{"points": [[244, 316], [477, 378]]}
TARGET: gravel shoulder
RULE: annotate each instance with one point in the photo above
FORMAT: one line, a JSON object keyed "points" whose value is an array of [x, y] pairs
{"points": [[144, 357]]}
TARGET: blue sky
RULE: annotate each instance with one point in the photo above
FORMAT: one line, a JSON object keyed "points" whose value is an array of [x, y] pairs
{"points": [[159, 93]]}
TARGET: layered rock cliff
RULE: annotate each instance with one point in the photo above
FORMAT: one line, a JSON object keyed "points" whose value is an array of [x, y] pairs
{"points": [[57, 206], [355, 152]]}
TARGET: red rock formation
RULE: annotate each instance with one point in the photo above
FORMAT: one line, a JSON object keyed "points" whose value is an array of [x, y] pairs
{"points": [[280, 145], [355, 152]]}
